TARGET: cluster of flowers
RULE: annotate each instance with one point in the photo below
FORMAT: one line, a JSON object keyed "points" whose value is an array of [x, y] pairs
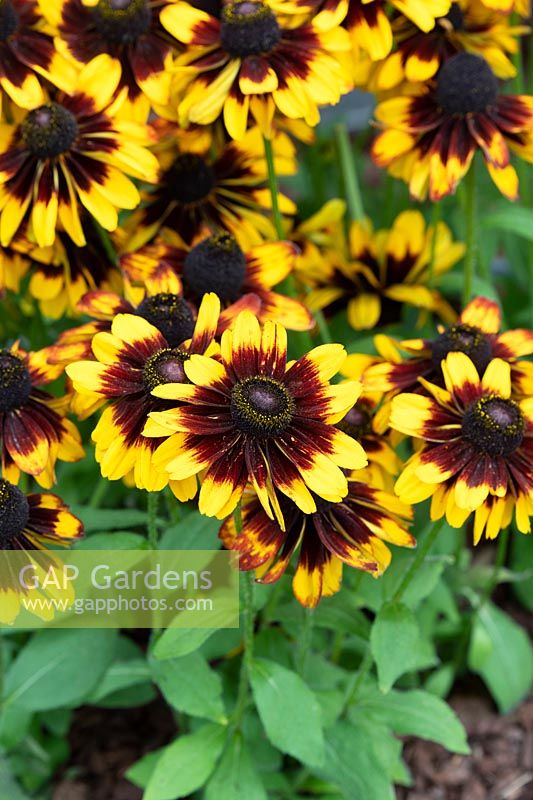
{"points": [[186, 346]]}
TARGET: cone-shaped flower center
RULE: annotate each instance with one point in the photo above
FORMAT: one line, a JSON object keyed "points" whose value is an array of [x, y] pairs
{"points": [[8, 19], [261, 406], [15, 381], [166, 366], [170, 314], [14, 513], [455, 17], [192, 179], [248, 28], [494, 425], [215, 265], [49, 130], [466, 84], [462, 339], [122, 21], [356, 423]]}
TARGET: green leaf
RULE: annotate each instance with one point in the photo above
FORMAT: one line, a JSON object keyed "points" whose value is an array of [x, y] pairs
{"points": [[119, 540], [522, 561], [178, 642], [141, 772], [235, 778], [59, 668], [121, 675], [352, 763], [289, 711], [508, 668], [394, 642], [186, 764], [109, 519], [8, 785], [194, 532], [416, 713], [511, 218], [190, 685]]}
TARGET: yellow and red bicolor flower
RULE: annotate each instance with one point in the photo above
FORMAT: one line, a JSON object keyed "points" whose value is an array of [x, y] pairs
{"points": [[255, 60], [72, 152], [131, 361], [477, 452], [468, 26], [522, 7], [28, 525], [218, 264], [375, 274], [222, 189], [33, 429], [13, 267], [477, 333], [351, 532], [27, 53], [130, 33], [251, 416], [430, 138], [63, 272]]}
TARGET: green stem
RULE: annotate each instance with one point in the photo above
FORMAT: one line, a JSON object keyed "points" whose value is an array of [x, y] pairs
{"points": [[419, 559], [151, 507], [349, 173], [357, 680], [248, 620], [98, 493], [274, 189], [435, 219], [470, 233]]}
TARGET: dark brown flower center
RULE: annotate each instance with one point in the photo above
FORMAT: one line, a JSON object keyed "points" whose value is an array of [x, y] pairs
{"points": [[215, 265], [494, 425], [191, 179], [166, 366], [356, 423], [455, 17], [8, 20], [248, 28], [122, 21], [170, 314], [49, 130], [261, 406], [466, 84], [15, 381], [462, 339], [14, 513]]}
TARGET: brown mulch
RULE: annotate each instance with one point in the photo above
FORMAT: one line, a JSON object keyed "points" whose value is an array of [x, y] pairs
{"points": [[105, 743], [500, 766]]}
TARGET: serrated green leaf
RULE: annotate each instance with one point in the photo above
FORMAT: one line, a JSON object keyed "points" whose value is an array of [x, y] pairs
{"points": [[289, 711]]}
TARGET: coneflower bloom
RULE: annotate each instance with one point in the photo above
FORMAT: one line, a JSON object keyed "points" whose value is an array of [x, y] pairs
{"points": [[253, 61], [127, 30], [29, 524], [27, 53], [251, 416], [468, 26], [351, 532], [477, 333], [72, 152], [477, 451], [382, 271], [131, 362], [34, 432], [430, 138]]}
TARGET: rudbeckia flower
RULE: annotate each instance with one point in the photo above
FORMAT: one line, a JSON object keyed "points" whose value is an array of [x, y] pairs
{"points": [[352, 532], [477, 453], [382, 271], [251, 416], [131, 361], [27, 53], [33, 430], [430, 138], [63, 272], [71, 151], [127, 30], [255, 60], [468, 26], [218, 264], [522, 7], [223, 189], [477, 333], [13, 268], [28, 525]]}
